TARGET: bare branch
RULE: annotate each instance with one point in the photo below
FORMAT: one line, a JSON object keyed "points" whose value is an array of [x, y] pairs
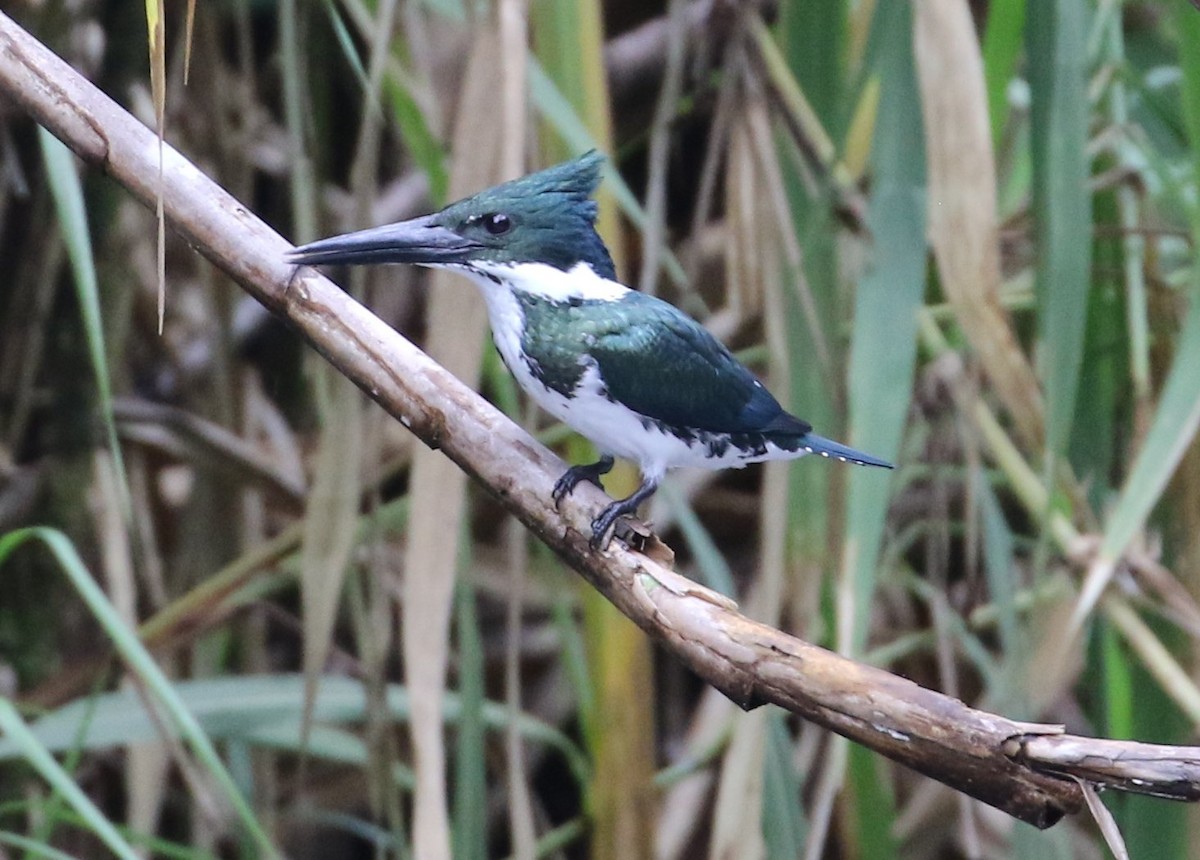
{"points": [[983, 755], [1153, 769]]}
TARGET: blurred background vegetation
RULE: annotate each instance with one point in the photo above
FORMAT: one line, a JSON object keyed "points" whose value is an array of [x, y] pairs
{"points": [[959, 235]]}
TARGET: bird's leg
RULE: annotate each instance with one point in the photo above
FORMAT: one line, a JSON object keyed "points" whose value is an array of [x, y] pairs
{"points": [[571, 478], [609, 515]]}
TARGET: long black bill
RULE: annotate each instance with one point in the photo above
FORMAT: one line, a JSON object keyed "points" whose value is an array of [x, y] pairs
{"points": [[419, 240]]}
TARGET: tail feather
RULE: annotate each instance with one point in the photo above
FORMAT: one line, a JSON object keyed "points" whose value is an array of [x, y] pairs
{"points": [[815, 444]]}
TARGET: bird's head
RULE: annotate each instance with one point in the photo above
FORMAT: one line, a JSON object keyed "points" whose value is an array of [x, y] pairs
{"points": [[546, 217]]}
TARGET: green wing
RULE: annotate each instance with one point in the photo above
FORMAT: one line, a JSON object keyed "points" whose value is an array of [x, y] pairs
{"points": [[662, 364]]}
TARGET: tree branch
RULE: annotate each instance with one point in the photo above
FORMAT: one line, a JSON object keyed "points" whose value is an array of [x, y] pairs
{"points": [[983, 755]]}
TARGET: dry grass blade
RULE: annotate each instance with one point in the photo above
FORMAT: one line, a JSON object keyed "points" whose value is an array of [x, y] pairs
{"points": [[804, 125], [521, 826], [737, 816], [739, 806], [176, 432], [148, 762], [962, 203], [156, 28], [1105, 820], [457, 323], [828, 785], [684, 806], [330, 520], [618, 720], [744, 265], [514, 39], [664, 113], [737, 827], [189, 34]]}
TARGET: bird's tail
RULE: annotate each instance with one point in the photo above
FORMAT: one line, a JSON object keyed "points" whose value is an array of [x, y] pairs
{"points": [[815, 444]]}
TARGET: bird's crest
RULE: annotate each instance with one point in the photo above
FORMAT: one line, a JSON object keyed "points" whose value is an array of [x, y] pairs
{"points": [[546, 217]]}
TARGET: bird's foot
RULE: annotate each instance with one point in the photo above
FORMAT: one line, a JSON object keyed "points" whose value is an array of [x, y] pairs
{"points": [[591, 473], [602, 524]]}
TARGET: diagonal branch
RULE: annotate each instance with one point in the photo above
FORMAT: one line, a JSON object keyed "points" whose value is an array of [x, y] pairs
{"points": [[983, 755]]}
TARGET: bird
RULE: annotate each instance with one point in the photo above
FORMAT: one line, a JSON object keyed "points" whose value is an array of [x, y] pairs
{"points": [[630, 372]]}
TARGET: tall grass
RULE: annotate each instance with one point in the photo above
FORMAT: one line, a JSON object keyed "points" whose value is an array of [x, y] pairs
{"points": [[963, 244]]}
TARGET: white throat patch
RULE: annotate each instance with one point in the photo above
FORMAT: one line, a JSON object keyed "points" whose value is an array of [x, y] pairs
{"points": [[545, 281]]}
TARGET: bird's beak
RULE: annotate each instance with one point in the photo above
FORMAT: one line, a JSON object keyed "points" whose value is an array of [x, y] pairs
{"points": [[419, 241]]}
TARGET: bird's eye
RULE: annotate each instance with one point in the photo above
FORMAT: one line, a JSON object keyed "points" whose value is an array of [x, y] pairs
{"points": [[497, 223]]}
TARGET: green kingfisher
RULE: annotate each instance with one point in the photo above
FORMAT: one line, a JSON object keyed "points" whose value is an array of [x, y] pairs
{"points": [[630, 372]]}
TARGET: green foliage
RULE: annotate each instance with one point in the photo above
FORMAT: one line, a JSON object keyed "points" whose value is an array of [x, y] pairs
{"points": [[1059, 116], [884, 344], [797, 229]]}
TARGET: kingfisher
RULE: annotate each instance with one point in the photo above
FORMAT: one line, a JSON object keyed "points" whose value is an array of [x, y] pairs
{"points": [[630, 372]]}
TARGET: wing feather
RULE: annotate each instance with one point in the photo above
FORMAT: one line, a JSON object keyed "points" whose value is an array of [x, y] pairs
{"points": [[662, 364]]}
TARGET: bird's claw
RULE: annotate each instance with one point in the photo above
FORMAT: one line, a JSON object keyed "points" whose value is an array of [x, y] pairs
{"points": [[599, 539], [575, 475], [565, 485], [604, 523]]}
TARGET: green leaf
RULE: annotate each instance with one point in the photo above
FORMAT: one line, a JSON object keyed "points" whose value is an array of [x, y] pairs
{"points": [[1057, 62], [470, 786], [1118, 686], [998, 555], [67, 192], [784, 824], [1187, 19], [26, 744], [142, 664], [1001, 50], [1174, 427], [1177, 416], [813, 37], [33, 847], [883, 352], [874, 804], [422, 145], [266, 709]]}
